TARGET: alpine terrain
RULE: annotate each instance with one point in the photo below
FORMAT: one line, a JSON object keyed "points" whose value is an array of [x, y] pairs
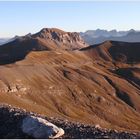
{"points": [[56, 74]]}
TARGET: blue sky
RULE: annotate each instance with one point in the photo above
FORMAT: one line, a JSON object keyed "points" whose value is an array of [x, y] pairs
{"points": [[20, 18]]}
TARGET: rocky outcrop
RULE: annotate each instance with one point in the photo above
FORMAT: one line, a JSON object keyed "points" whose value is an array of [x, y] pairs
{"points": [[40, 128], [13, 88], [16, 123], [68, 40]]}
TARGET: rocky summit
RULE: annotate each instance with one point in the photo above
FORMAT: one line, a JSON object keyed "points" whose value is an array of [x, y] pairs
{"points": [[68, 40], [55, 74]]}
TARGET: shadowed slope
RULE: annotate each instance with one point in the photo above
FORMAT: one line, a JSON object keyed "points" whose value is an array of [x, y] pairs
{"points": [[115, 51], [19, 48], [46, 39]]}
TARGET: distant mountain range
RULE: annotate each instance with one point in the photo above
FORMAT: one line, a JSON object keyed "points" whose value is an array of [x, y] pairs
{"points": [[98, 36]]}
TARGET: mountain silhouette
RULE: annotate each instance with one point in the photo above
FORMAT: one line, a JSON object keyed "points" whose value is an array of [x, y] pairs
{"points": [[99, 36]]}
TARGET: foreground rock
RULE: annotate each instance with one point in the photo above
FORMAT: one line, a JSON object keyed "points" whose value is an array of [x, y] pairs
{"points": [[40, 128], [17, 123]]}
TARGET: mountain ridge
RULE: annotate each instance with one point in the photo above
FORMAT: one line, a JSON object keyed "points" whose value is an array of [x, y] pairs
{"points": [[129, 52], [99, 36], [46, 39]]}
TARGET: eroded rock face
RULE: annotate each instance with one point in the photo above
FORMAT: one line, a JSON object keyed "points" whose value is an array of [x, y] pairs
{"points": [[70, 39], [17, 87], [40, 128]]}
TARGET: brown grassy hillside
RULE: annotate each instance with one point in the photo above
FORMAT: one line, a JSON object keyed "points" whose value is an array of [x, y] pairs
{"points": [[81, 86]]}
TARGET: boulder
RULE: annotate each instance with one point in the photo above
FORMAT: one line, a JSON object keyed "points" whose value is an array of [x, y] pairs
{"points": [[40, 128]]}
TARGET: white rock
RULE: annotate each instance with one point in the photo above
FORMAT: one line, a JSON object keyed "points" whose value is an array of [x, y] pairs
{"points": [[40, 128], [95, 91], [13, 89], [23, 89], [51, 87], [97, 126]]}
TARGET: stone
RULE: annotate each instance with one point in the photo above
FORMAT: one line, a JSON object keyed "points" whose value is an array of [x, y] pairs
{"points": [[13, 89], [40, 128], [3, 87], [97, 126]]}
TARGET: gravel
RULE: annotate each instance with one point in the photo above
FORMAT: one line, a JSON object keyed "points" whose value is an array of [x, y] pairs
{"points": [[11, 120]]}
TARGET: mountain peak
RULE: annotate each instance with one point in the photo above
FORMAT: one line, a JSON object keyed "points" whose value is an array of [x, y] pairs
{"points": [[60, 37], [44, 30]]}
